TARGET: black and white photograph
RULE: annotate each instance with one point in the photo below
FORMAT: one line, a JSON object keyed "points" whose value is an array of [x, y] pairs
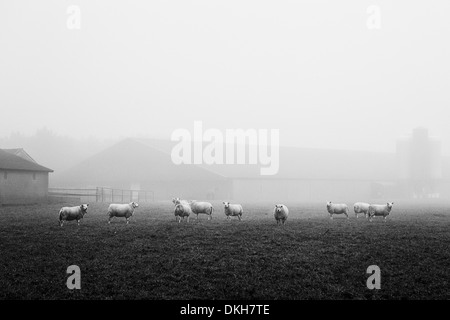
{"points": [[218, 158]]}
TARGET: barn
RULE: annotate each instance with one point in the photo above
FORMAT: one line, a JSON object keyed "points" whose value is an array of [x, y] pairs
{"points": [[22, 179], [142, 164], [304, 174]]}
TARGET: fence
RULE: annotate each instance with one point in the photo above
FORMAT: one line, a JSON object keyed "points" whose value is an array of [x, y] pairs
{"points": [[101, 194]]}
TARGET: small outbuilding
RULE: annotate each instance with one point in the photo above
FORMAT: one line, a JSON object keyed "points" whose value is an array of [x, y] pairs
{"points": [[22, 180]]}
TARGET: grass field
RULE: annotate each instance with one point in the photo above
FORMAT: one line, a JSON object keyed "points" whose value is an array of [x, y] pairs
{"points": [[154, 257]]}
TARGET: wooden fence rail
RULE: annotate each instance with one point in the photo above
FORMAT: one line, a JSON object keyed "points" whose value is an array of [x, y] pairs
{"points": [[101, 194]]}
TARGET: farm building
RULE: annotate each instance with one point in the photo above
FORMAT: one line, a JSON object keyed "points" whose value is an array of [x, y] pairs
{"points": [[22, 180], [143, 165], [304, 174]]}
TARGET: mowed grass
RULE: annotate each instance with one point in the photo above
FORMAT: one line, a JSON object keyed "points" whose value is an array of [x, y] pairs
{"points": [[154, 257]]}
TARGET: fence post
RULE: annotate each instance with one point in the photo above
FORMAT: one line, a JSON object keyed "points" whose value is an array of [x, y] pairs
{"points": [[122, 195]]}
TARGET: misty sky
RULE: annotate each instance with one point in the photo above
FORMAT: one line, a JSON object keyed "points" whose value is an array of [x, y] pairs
{"points": [[309, 68]]}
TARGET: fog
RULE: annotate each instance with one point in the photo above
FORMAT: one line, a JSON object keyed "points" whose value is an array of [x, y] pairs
{"points": [[357, 77], [312, 69]]}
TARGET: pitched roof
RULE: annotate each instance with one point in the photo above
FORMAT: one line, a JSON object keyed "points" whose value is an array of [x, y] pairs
{"points": [[20, 153], [150, 159], [131, 160], [10, 161], [306, 163]]}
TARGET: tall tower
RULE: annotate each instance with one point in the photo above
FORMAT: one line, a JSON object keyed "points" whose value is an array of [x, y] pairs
{"points": [[419, 162]]}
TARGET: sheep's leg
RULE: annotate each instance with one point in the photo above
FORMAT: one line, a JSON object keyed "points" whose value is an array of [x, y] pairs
{"points": [[61, 222], [78, 222], [331, 216], [128, 220]]}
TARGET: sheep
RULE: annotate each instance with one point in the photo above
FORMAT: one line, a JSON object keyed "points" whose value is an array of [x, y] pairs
{"points": [[280, 213], [233, 210], [380, 210], [181, 211], [337, 208], [121, 210], [361, 207], [72, 213], [202, 207]]}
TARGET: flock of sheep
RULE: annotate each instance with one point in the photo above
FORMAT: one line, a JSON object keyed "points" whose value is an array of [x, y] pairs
{"points": [[369, 210], [114, 210], [185, 208]]}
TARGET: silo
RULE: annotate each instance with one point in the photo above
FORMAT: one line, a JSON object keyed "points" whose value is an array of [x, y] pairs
{"points": [[419, 162], [403, 149], [435, 159]]}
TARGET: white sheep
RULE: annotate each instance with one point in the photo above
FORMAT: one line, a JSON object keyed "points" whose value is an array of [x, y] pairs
{"points": [[181, 211], [380, 210], [337, 208], [202, 207], [72, 213], [232, 210], [361, 207], [121, 210], [280, 213]]}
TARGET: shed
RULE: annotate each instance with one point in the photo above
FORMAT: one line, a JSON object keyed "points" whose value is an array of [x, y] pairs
{"points": [[22, 180]]}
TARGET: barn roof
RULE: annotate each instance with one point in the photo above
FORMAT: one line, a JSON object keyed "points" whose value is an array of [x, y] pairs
{"points": [[10, 161], [131, 160], [20, 153], [149, 159], [307, 163]]}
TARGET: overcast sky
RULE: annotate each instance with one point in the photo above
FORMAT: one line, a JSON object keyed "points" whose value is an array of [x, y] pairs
{"points": [[312, 69]]}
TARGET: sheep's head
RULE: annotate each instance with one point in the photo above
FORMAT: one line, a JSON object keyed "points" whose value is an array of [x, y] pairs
{"points": [[328, 204], [390, 205], [84, 207], [226, 204], [278, 207], [176, 200], [134, 204]]}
